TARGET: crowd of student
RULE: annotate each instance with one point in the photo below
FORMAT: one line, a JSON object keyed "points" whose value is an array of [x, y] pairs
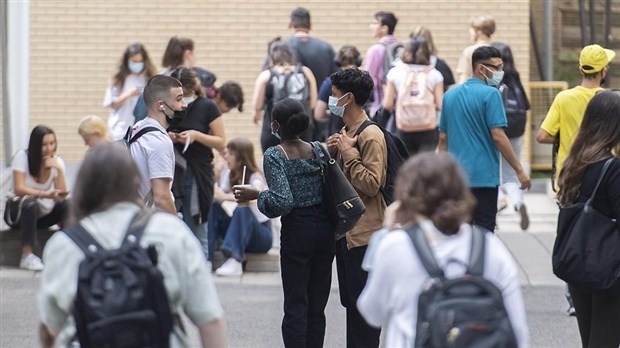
{"points": [[307, 93]]}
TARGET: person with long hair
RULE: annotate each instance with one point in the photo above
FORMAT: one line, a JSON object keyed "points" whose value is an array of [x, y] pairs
{"points": [[104, 201], [282, 65], [598, 139], [431, 192], [195, 136], [179, 52], [516, 105], [134, 70], [436, 62], [293, 170], [416, 60], [247, 229], [38, 196], [93, 130]]}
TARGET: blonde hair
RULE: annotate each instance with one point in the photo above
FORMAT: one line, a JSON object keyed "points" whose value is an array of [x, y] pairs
{"points": [[93, 124], [485, 24]]}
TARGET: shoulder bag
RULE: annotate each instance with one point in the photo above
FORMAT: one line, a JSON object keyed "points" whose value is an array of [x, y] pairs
{"points": [[343, 205], [586, 253]]}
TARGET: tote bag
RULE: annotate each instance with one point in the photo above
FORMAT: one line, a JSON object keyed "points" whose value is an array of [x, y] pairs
{"points": [[586, 253], [343, 205]]}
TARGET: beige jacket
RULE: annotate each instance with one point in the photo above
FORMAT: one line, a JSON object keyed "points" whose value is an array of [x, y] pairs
{"points": [[365, 166]]}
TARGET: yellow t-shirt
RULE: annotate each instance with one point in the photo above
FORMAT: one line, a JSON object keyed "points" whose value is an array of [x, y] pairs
{"points": [[565, 116]]}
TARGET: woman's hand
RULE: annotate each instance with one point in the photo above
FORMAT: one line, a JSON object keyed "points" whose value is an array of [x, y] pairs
{"points": [[51, 162], [56, 195], [389, 219], [191, 134], [174, 136], [244, 193]]}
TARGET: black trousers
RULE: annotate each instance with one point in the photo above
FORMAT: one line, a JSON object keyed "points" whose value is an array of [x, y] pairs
{"points": [[351, 280], [485, 213], [306, 257], [420, 141], [31, 218], [598, 317]]}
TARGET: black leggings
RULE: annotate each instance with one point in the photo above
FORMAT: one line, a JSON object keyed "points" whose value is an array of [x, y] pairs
{"points": [[31, 218], [598, 317]]}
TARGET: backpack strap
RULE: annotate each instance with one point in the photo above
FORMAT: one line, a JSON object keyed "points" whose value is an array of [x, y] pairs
{"points": [[600, 179], [84, 240], [476, 254], [424, 251], [142, 132], [137, 226]]}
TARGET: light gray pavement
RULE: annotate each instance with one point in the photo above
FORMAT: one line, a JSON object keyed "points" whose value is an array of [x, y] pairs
{"points": [[253, 303]]}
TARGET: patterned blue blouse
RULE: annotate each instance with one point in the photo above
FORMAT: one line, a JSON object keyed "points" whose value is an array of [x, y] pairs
{"points": [[292, 184]]}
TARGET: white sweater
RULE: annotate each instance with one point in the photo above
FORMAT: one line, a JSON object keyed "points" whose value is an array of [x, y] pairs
{"points": [[390, 297]]}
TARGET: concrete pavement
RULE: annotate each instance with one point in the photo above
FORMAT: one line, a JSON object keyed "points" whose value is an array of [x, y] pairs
{"points": [[253, 303]]}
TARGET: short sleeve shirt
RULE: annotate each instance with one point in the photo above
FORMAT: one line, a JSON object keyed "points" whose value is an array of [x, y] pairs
{"points": [[469, 112], [20, 164], [397, 75], [565, 116], [153, 154]]}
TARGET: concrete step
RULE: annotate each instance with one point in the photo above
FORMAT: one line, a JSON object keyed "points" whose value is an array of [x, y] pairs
{"points": [[10, 245]]}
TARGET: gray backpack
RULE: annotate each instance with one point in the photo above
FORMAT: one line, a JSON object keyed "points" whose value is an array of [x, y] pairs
{"points": [[293, 85], [466, 311]]}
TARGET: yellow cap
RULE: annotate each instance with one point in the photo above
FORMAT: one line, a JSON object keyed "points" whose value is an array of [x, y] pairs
{"points": [[594, 58]]}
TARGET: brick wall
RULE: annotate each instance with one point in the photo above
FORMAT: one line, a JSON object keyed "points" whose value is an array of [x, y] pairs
{"points": [[76, 45]]}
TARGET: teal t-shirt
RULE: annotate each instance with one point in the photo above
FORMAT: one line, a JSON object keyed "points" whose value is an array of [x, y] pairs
{"points": [[468, 114]]}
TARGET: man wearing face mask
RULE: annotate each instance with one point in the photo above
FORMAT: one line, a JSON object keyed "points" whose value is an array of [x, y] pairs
{"points": [[363, 159], [153, 150], [472, 129]]}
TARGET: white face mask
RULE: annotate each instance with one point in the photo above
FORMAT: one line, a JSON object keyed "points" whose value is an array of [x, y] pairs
{"points": [[135, 68], [336, 110], [496, 79], [188, 100]]}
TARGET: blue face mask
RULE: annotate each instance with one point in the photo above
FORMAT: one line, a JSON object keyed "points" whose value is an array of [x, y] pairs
{"points": [[135, 68], [336, 110], [274, 132], [496, 79]]}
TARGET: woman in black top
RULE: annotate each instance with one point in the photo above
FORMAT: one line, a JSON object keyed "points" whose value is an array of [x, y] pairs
{"points": [[194, 136], [598, 313]]}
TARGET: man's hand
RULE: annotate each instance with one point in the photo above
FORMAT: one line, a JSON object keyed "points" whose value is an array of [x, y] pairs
{"points": [[341, 141], [524, 179]]}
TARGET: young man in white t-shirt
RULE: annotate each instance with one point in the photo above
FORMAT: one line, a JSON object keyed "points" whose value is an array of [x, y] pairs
{"points": [[153, 151]]}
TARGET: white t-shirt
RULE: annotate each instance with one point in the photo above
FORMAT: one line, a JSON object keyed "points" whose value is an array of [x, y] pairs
{"points": [[153, 153], [256, 180], [122, 118], [398, 74], [20, 164], [188, 283], [390, 297]]}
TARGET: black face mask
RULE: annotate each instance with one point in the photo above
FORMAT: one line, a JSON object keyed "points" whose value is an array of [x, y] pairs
{"points": [[176, 114]]}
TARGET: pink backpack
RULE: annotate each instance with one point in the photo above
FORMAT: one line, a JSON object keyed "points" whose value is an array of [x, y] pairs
{"points": [[415, 105]]}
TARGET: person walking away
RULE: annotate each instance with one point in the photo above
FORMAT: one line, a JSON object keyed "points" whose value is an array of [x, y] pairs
{"points": [[472, 129], [481, 29], [382, 28], [516, 106], [432, 193], [105, 200], [597, 140], [39, 190], [121, 96], [284, 79], [293, 170], [246, 229], [363, 159], [564, 117], [415, 89]]}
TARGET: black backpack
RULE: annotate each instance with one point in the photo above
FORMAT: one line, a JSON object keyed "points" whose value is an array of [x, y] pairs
{"points": [[467, 311], [397, 155], [516, 110], [121, 300], [127, 140]]}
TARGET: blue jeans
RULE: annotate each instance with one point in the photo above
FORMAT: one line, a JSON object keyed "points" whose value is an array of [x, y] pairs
{"points": [[240, 232]]}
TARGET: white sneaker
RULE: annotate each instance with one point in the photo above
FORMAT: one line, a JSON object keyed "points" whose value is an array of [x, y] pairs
{"points": [[31, 262], [231, 267]]}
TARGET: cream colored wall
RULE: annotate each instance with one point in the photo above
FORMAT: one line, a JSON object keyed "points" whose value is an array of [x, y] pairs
{"points": [[76, 45]]}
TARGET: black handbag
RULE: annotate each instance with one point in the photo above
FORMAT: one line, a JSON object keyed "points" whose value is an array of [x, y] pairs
{"points": [[343, 205], [586, 253], [13, 210]]}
